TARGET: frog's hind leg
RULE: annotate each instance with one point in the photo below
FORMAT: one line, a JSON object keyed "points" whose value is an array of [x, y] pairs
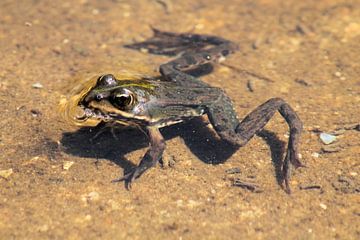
{"points": [[193, 50], [172, 44], [223, 118]]}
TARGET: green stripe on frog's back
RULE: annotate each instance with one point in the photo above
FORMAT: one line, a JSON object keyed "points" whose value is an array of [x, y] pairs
{"points": [[128, 83]]}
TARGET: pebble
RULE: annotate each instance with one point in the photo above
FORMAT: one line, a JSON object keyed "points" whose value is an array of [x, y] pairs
{"points": [[95, 11], [43, 228], [83, 219], [331, 149], [179, 203], [37, 85], [33, 160], [67, 165], [327, 138], [192, 203], [90, 197], [6, 173], [337, 74], [323, 206], [144, 50], [234, 170], [315, 155]]}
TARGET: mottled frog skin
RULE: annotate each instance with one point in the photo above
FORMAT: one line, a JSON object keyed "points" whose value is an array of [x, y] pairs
{"points": [[151, 103]]}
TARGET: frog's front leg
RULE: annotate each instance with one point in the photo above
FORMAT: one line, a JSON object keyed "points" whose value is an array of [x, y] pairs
{"points": [[223, 118], [151, 157]]}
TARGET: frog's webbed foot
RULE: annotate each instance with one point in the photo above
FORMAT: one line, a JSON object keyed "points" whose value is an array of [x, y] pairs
{"points": [[292, 156], [151, 157], [129, 177], [224, 120]]}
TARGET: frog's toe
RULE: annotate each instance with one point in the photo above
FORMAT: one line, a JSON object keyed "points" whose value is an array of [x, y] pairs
{"points": [[292, 157], [129, 178]]}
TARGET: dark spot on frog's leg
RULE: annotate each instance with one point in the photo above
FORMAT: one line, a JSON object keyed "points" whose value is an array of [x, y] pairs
{"points": [[255, 122], [151, 157]]}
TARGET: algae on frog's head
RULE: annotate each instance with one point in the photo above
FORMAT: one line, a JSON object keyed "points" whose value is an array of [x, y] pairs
{"points": [[83, 83]]}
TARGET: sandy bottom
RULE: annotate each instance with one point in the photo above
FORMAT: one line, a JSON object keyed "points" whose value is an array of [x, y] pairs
{"points": [[55, 182]]}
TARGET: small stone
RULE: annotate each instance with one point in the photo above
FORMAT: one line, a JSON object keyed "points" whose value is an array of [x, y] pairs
{"points": [[323, 206], [338, 132], [93, 196], [168, 160], [234, 170], [35, 112], [179, 203], [331, 149], [144, 50], [90, 197], [43, 228], [192, 203], [83, 219], [67, 165], [353, 174], [6, 173], [31, 161], [95, 11], [315, 155], [327, 138], [37, 85], [337, 74]]}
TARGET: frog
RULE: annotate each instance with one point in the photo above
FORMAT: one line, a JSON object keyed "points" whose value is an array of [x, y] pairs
{"points": [[175, 95]]}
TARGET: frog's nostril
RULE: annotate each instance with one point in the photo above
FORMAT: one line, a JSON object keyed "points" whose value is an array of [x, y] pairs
{"points": [[98, 97]]}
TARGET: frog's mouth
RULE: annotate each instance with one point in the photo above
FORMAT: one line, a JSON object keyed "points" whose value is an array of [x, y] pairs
{"points": [[105, 111]]}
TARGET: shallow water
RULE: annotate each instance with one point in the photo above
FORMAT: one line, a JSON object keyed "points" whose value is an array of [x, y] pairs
{"points": [[306, 52]]}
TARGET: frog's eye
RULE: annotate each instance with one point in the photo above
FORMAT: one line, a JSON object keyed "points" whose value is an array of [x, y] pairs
{"points": [[107, 80], [123, 100]]}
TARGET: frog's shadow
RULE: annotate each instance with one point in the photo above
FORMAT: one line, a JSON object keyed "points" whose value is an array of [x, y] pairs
{"points": [[201, 141]]}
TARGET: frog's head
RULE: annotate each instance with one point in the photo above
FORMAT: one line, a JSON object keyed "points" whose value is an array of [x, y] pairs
{"points": [[116, 100]]}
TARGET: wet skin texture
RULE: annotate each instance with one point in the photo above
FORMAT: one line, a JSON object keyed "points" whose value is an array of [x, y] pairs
{"points": [[176, 96]]}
